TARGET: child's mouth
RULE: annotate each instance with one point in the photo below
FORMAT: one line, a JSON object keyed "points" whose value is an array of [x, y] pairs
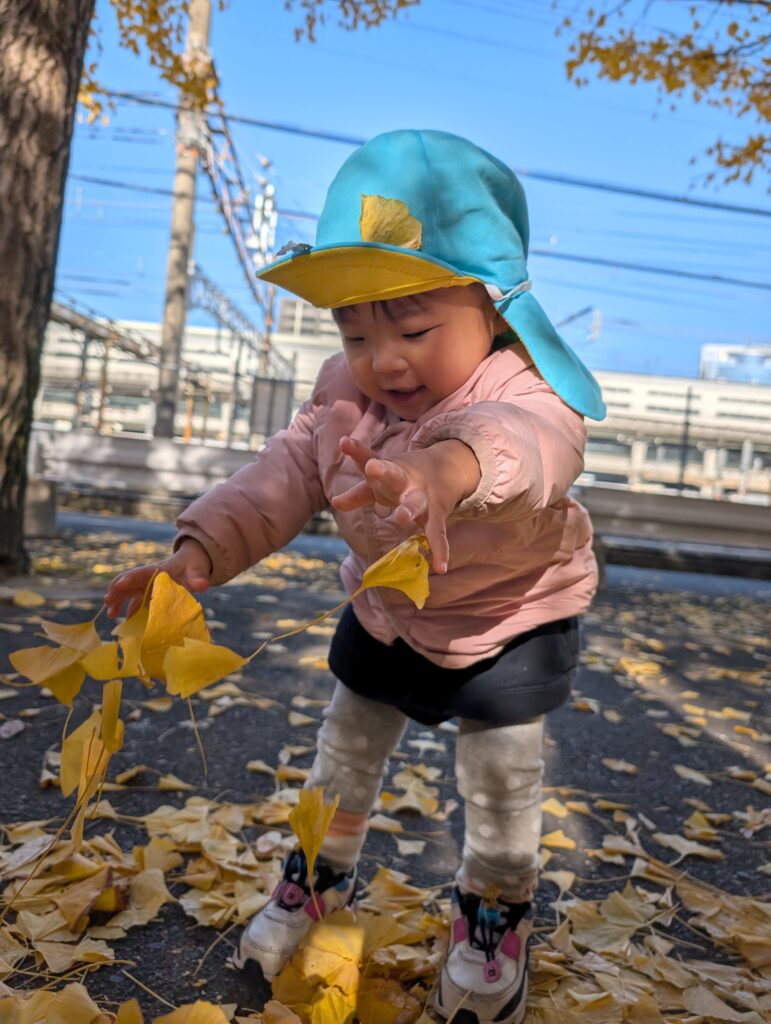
{"points": [[406, 396]]}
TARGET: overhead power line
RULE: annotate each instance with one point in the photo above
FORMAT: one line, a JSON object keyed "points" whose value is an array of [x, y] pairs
{"points": [[551, 178], [548, 253], [645, 268]]}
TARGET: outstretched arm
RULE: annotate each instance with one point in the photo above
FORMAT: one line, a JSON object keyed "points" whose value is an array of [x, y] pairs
{"points": [[422, 486]]}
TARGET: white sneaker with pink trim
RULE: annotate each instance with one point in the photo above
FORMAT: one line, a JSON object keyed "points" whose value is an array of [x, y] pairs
{"points": [[272, 936], [484, 976]]}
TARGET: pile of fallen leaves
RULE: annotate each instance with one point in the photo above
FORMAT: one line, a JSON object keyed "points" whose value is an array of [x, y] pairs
{"points": [[603, 960], [69, 898]]}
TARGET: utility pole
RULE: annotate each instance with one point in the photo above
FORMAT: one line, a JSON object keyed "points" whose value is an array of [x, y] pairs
{"points": [[684, 439], [190, 129]]}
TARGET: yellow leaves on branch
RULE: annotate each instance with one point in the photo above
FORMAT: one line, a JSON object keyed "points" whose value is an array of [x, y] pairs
{"points": [[723, 63], [166, 640], [158, 27], [353, 14]]}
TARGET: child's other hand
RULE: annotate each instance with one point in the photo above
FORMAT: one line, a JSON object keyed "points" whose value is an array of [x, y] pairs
{"points": [[189, 565], [422, 486]]}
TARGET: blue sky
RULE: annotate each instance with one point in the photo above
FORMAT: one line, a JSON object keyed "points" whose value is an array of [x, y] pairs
{"points": [[491, 70]]}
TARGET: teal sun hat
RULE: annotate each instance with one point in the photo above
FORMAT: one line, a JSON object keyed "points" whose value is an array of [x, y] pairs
{"points": [[411, 211]]}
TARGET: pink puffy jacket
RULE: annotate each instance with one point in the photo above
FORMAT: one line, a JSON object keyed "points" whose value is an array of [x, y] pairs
{"points": [[520, 549]]}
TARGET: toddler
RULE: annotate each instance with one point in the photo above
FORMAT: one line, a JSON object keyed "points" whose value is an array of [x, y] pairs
{"points": [[454, 409]]}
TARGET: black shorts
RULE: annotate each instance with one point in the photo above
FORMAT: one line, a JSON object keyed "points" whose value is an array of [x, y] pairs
{"points": [[531, 675]]}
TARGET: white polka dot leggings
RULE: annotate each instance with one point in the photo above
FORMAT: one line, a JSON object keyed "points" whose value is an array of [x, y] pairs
{"points": [[499, 771]]}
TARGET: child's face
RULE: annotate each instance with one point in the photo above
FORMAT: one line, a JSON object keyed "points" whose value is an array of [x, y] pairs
{"points": [[410, 353]]}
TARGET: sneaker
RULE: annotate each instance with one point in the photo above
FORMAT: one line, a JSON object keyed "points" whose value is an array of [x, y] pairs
{"points": [[272, 936], [484, 976]]}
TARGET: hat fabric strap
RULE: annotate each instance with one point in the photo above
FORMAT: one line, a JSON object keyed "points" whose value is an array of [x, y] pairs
{"points": [[497, 295]]}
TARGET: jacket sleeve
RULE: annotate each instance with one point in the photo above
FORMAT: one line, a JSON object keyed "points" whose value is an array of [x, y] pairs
{"points": [[266, 503], [530, 450]]}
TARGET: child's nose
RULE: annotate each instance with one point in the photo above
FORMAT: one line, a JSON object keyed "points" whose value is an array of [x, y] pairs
{"points": [[387, 358]]}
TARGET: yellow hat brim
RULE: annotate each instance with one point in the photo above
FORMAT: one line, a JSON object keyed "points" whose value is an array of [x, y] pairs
{"points": [[347, 275]]}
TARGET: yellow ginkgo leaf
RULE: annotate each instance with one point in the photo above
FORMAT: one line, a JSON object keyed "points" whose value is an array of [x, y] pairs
{"points": [[199, 1012], [114, 659], [389, 221], [129, 1013], [82, 635], [134, 626], [198, 664], [112, 727], [174, 614], [61, 957], [555, 807], [41, 663], [558, 841], [404, 568], [332, 1006], [72, 751], [65, 685], [310, 821], [76, 901], [276, 1012], [72, 1003], [147, 894], [28, 599]]}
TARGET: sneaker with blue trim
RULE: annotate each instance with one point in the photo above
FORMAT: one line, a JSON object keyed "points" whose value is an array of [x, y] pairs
{"points": [[272, 936], [484, 976]]}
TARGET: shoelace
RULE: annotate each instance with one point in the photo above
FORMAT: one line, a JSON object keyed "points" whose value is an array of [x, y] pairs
{"points": [[489, 930], [296, 873], [488, 922]]}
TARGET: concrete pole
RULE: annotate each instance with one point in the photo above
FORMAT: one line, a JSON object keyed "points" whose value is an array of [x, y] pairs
{"points": [[189, 141], [684, 440], [80, 391]]}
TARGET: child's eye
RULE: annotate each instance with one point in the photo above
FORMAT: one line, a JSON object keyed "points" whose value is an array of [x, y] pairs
{"points": [[417, 334], [347, 339]]}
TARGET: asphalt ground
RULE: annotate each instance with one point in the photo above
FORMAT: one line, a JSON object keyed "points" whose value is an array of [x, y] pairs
{"points": [[708, 638]]}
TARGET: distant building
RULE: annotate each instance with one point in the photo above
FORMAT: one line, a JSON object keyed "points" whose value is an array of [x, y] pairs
{"points": [[710, 435], [743, 364], [308, 335]]}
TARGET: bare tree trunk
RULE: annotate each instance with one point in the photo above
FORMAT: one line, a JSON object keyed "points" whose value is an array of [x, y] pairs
{"points": [[43, 43]]}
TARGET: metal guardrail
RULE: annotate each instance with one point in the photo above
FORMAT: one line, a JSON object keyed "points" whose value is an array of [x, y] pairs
{"points": [[633, 527], [645, 515]]}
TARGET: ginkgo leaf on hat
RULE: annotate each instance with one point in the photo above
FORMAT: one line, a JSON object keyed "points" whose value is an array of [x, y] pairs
{"points": [[198, 664], [173, 615], [389, 221], [404, 568]]}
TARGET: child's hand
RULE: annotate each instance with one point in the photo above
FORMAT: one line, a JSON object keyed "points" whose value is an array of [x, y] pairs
{"points": [[189, 565], [423, 487]]}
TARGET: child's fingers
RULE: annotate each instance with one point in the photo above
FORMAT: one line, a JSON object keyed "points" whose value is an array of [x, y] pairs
{"points": [[129, 586], [436, 535], [359, 452], [355, 497], [196, 582], [387, 474]]}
